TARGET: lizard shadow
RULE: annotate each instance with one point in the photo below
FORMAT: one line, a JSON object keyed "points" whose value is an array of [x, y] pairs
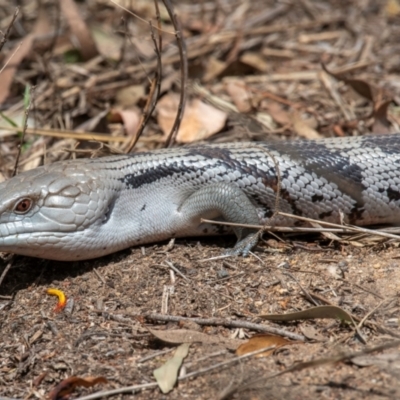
{"points": [[28, 271]]}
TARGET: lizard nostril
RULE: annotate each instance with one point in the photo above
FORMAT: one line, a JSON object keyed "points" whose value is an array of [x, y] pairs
{"points": [[23, 206]]}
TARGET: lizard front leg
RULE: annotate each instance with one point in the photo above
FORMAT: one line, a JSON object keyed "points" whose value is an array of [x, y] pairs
{"points": [[230, 202]]}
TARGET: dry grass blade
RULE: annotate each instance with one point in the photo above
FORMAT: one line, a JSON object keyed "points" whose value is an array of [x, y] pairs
{"points": [[64, 134]]}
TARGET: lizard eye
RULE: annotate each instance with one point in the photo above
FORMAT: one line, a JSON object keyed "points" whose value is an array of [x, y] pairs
{"points": [[23, 206]]}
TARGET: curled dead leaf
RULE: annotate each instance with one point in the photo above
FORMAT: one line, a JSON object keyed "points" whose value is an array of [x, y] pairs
{"points": [[261, 341], [177, 336], [199, 121], [129, 118], [67, 386]]}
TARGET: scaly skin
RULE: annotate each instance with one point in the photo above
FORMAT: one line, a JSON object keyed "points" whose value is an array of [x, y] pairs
{"points": [[82, 209]]}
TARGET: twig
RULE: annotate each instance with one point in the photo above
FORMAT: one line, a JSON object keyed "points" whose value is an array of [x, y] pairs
{"points": [[135, 388], [325, 360], [361, 323], [225, 363], [170, 265], [6, 269], [155, 87], [309, 297], [7, 33], [66, 134], [227, 323], [212, 322], [136, 16], [26, 117], [10, 58], [184, 72], [349, 227], [285, 229]]}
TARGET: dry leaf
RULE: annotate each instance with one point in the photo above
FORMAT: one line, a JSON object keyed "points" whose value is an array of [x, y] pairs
{"points": [[254, 60], [311, 313], [380, 114], [258, 342], [177, 336], [199, 121], [129, 118], [67, 386], [167, 375], [392, 8], [107, 41], [239, 95], [278, 113], [129, 96], [213, 68], [303, 127]]}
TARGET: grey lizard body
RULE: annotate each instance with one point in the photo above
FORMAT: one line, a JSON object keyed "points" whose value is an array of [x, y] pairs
{"points": [[86, 208]]}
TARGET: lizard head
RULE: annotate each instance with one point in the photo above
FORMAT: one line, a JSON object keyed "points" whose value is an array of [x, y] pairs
{"points": [[51, 212]]}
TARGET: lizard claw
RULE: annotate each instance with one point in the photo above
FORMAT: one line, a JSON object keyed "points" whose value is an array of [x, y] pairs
{"points": [[244, 246]]}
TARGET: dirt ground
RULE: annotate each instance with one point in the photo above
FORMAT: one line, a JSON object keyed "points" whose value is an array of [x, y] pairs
{"points": [[259, 65]]}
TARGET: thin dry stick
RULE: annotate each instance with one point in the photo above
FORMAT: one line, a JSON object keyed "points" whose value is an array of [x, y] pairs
{"points": [[27, 110], [286, 229], [349, 227], [309, 297], [6, 269], [137, 16], [10, 58], [369, 314], [64, 134], [227, 323], [325, 360], [184, 72], [212, 322], [336, 227], [155, 87], [7, 33], [135, 388], [172, 266]]}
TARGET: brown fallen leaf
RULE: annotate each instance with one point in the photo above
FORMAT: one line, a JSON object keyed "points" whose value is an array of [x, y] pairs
{"points": [[278, 113], [304, 128], [177, 336], [260, 341], [240, 95], [129, 118], [67, 386], [361, 87], [381, 122], [167, 375], [199, 121]]}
